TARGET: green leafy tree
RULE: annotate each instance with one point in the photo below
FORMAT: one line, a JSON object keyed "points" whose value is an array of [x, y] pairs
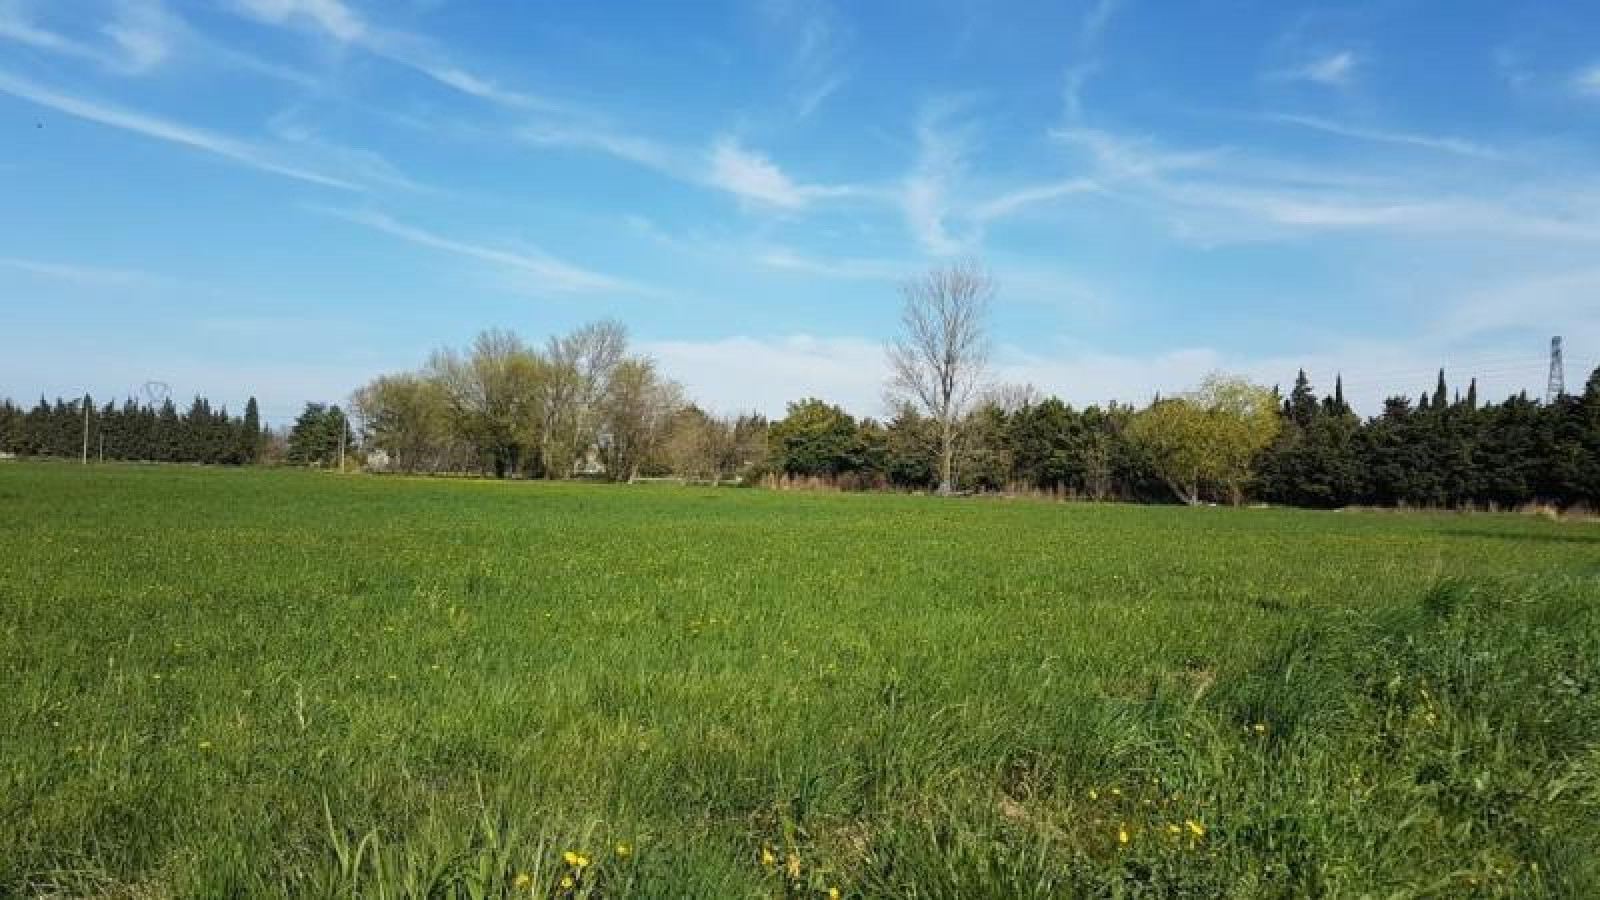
{"points": [[1206, 441]]}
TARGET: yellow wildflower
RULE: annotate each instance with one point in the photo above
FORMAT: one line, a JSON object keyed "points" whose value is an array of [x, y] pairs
{"points": [[1195, 828], [567, 882], [570, 858], [768, 858], [1094, 794], [1122, 835], [583, 861], [205, 745], [1173, 829], [522, 881], [1259, 728], [794, 864], [833, 893], [624, 851]]}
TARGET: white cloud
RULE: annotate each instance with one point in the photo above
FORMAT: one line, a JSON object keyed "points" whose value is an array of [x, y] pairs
{"points": [[1333, 70], [1017, 199], [143, 34], [237, 151], [771, 372], [638, 150], [753, 177], [77, 273], [1452, 145], [1587, 81], [1224, 196], [331, 16], [850, 370], [942, 151], [832, 267], [549, 273], [343, 25], [1096, 19], [816, 40], [139, 37]]}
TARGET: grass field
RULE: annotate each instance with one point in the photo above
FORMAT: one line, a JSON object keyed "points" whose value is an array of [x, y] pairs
{"points": [[254, 682]]}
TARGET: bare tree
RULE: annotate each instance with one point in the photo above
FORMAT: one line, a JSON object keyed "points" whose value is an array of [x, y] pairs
{"points": [[1011, 398], [582, 364], [940, 359], [637, 414]]}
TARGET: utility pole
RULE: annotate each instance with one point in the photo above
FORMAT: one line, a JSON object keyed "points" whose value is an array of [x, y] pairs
{"points": [[86, 429]]}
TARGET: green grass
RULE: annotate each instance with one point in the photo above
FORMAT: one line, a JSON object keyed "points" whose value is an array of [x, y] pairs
{"points": [[236, 682]]}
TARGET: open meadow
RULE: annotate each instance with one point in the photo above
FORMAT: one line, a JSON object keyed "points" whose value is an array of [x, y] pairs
{"points": [[251, 682]]}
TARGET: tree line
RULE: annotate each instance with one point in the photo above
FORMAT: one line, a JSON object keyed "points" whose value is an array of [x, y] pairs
{"points": [[1227, 441], [583, 405], [133, 431]]}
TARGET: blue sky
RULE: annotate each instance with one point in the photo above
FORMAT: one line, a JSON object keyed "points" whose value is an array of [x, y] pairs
{"points": [[287, 197]]}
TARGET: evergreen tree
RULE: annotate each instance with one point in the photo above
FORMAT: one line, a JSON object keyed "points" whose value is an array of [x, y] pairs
{"points": [[1302, 403], [250, 433]]}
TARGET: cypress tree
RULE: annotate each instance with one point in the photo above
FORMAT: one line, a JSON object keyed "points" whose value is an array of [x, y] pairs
{"points": [[250, 433], [1302, 403], [1439, 394], [1472, 394]]}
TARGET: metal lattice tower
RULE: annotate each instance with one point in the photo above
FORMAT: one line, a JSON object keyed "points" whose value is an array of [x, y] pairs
{"points": [[1558, 382]]}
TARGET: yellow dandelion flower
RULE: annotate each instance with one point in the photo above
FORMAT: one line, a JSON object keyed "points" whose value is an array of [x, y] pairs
{"points": [[768, 858], [567, 882], [583, 861], [570, 857], [794, 864], [1259, 728], [1195, 828], [1122, 835], [833, 893], [522, 881], [624, 851], [1094, 794], [1174, 829]]}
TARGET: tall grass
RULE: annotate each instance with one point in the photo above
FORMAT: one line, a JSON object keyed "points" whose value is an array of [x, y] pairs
{"points": [[235, 683]]}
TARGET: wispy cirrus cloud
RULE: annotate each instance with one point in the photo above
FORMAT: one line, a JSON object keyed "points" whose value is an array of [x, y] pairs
{"points": [[1223, 195], [1015, 200], [1087, 57], [789, 259], [1335, 70], [753, 177], [817, 40], [547, 272], [78, 273], [579, 134], [943, 145], [1586, 81], [134, 39], [232, 149], [1452, 145], [342, 24]]}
